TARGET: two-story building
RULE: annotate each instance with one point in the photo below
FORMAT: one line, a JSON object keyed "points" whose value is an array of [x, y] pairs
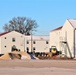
{"points": [[64, 38], [22, 42], [37, 43]]}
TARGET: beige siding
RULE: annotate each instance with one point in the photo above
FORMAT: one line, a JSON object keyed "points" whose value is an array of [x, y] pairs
{"points": [[40, 44], [55, 39], [0, 45], [75, 42], [7, 43], [68, 36]]}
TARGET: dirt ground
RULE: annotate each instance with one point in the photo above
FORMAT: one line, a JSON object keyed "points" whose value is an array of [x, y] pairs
{"points": [[37, 67]]}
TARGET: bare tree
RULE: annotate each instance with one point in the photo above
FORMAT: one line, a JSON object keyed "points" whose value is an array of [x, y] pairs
{"points": [[21, 24]]}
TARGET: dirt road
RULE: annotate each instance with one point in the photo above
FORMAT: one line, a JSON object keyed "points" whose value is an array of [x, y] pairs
{"points": [[37, 67]]}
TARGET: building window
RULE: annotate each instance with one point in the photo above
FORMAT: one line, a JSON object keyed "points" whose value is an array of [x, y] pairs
{"points": [[5, 37], [34, 42], [27, 42], [47, 42], [13, 40], [34, 48], [5, 46], [27, 49]]}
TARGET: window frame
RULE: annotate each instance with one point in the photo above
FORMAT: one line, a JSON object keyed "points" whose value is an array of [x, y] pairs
{"points": [[13, 40], [27, 42], [34, 42], [34, 48], [47, 42]]}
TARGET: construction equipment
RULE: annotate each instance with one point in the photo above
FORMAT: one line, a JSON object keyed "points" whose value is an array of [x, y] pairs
{"points": [[54, 51]]}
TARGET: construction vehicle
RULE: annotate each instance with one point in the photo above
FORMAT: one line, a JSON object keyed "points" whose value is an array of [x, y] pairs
{"points": [[48, 55], [54, 51]]}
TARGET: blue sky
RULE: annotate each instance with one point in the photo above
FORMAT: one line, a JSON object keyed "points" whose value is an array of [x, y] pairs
{"points": [[49, 14]]}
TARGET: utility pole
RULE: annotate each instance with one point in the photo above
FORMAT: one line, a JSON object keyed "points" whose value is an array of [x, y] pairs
{"points": [[31, 42], [24, 44]]}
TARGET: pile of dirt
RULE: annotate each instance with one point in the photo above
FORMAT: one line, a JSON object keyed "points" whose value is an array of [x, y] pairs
{"points": [[24, 55], [5, 57], [17, 55]]}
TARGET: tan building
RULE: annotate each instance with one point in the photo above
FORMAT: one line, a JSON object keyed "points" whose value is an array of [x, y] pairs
{"points": [[64, 38], [37, 43], [22, 42], [8, 39], [55, 37]]}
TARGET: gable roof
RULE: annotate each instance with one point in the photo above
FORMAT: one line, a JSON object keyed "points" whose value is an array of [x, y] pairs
{"points": [[7, 33], [58, 28], [72, 22], [3, 33]]}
